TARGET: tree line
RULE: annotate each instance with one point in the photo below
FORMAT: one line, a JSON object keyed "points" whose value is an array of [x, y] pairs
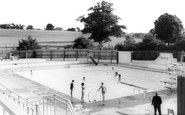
{"points": [[49, 26], [101, 23], [168, 32]]}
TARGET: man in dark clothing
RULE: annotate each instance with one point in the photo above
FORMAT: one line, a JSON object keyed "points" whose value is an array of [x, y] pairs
{"points": [[71, 88], [156, 102]]}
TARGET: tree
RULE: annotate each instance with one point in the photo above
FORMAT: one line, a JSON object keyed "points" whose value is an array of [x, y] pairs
{"points": [[168, 28], [149, 43], [82, 43], [50, 27], [28, 44], [129, 40], [71, 29], [101, 23], [128, 44], [180, 45], [29, 27]]}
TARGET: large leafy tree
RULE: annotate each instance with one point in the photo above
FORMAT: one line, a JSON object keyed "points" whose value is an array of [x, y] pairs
{"points": [[50, 27], [101, 23], [168, 28], [29, 27], [28, 44]]}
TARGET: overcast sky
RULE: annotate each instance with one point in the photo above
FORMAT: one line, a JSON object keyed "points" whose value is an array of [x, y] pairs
{"points": [[137, 15]]}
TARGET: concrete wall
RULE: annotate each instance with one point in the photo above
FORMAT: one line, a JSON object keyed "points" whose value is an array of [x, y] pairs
{"points": [[124, 57], [181, 95]]}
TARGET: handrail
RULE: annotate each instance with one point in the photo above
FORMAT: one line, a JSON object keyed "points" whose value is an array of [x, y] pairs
{"points": [[19, 97], [65, 100], [55, 96]]}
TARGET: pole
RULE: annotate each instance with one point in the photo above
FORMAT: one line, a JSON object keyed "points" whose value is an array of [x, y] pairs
{"points": [[180, 95], [54, 105]]}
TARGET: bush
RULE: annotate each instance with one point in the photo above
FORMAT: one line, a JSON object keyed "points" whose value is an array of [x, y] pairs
{"points": [[28, 44], [82, 43], [180, 45]]}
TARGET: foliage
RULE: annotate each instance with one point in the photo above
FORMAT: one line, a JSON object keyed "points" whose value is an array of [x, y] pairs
{"points": [[71, 29], [168, 28], [12, 26], [129, 40], [149, 43], [180, 45], [28, 44], [138, 35], [49, 27], [101, 23], [128, 44], [82, 43], [30, 27], [120, 47]]}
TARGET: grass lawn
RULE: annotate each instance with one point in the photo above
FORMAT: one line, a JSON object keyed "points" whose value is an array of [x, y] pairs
{"points": [[10, 37]]}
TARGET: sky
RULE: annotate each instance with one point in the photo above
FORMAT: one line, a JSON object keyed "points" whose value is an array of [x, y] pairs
{"points": [[136, 15]]}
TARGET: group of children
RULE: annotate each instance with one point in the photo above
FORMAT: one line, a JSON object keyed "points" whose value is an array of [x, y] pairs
{"points": [[102, 88], [83, 88]]}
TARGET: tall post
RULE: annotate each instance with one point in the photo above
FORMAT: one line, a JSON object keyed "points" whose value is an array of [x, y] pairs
{"points": [[66, 108], [27, 109], [181, 95], [43, 107], [54, 105]]}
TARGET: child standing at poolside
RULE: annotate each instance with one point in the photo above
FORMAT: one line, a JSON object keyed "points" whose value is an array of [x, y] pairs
{"points": [[71, 89], [103, 90], [83, 88]]}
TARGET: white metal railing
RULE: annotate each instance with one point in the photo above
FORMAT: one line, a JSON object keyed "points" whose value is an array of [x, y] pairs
{"points": [[22, 103], [54, 105], [41, 105]]}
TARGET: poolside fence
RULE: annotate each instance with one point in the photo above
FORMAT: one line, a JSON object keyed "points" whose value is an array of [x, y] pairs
{"points": [[63, 54], [77, 54]]}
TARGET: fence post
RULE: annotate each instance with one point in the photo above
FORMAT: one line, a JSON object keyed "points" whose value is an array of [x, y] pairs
{"points": [[51, 55], [117, 58], [111, 55], [98, 56], [64, 55], [76, 55]]}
